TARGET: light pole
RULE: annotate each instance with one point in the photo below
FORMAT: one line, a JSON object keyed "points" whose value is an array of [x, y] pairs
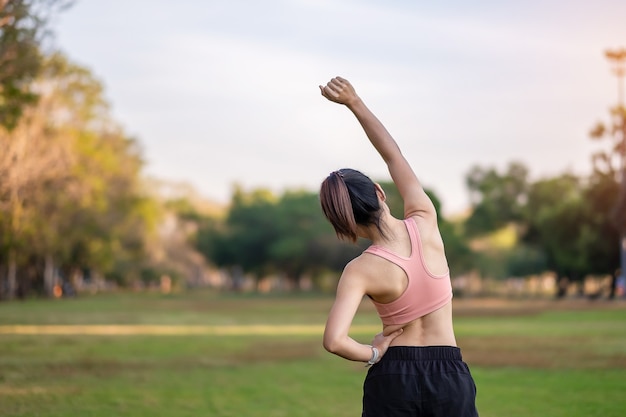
{"points": [[617, 59]]}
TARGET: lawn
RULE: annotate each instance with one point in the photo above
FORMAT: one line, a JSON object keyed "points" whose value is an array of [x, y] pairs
{"points": [[533, 358]]}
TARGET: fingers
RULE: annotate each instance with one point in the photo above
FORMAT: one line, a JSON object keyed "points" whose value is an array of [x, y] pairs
{"points": [[336, 84], [334, 88], [342, 81], [382, 341], [392, 334], [396, 333], [327, 92], [386, 338]]}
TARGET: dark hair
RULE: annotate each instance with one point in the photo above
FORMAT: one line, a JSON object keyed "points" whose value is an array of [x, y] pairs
{"points": [[348, 198]]}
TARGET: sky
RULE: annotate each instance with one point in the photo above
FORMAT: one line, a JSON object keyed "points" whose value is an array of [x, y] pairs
{"points": [[225, 92]]}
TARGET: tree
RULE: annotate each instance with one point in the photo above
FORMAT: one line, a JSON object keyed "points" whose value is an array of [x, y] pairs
{"points": [[300, 246], [556, 217], [23, 28], [70, 189], [617, 59], [601, 197], [610, 163], [32, 157], [496, 199], [569, 221], [244, 239], [607, 162]]}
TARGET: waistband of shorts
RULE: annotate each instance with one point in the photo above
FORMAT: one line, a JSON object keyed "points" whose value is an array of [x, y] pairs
{"points": [[423, 353]]}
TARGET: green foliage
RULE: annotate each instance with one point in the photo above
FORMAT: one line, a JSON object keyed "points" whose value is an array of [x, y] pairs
{"points": [[557, 222], [603, 224], [300, 226], [265, 234], [496, 198], [252, 230], [564, 223], [524, 260], [461, 257], [184, 209], [71, 185], [22, 32], [107, 218], [571, 223]]}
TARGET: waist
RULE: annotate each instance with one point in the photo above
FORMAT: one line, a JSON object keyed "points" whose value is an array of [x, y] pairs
{"points": [[434, 329], [422, 353]]}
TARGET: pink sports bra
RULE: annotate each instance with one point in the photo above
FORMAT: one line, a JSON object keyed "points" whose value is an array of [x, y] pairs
{"points": [[424, 293]]}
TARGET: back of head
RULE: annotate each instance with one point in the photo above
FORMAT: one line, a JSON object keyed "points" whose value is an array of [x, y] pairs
{"points": [[349, 199]]}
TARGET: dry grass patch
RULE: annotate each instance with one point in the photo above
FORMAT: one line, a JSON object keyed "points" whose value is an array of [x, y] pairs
{"points": [[569, 352]]}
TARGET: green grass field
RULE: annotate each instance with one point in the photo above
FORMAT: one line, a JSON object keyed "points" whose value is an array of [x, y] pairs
{"points": [[202, 354]]}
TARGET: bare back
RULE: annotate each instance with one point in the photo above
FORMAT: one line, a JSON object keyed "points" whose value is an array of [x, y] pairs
{"points": [[386, 282]]}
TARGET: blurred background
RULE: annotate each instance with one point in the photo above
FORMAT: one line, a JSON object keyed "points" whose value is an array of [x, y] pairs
{"points": [[162, 247], [169, 146]]}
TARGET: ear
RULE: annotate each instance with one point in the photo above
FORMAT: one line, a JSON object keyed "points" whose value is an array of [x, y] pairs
{"points": [[380, 192]]}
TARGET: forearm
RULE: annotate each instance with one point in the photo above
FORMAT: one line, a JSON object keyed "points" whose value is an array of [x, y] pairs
{"points": [[350, 349], [376, 132]]}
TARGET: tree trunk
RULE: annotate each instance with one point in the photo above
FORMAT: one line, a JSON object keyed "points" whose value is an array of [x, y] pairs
{"points": [[3, 278], [48, 276], [561, 287], [76, 280], [613, 286], [11, 276]]}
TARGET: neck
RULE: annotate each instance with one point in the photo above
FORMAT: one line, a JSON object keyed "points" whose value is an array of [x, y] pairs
{"points": [[389, 224]]}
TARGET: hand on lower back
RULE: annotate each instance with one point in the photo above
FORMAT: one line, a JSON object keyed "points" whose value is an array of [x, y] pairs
{"points": [[382, 342]]}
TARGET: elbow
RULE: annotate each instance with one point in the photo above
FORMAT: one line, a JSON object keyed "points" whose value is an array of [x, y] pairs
{"points": [[330, 345]]}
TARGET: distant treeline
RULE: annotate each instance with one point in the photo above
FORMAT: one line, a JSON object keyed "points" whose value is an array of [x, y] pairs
{"points": [[75, 205], [515, 228]]}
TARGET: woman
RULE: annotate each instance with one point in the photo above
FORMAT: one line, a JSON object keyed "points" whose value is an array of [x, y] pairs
{"points": [[416, 367]]}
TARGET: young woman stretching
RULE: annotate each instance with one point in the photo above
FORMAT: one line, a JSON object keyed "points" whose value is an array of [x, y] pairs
{"points": [[416, 367]]}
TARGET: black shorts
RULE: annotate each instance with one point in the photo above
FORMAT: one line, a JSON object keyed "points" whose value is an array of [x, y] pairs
{"points": [[420, 381]]}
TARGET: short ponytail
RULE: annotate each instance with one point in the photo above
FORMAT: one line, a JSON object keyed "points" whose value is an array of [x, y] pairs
{"points": [[349, 199]]}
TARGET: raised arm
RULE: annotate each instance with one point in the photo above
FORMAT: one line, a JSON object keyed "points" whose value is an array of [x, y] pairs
{"points": [[416, 201]]}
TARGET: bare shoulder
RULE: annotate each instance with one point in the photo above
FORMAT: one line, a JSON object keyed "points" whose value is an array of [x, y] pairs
{"points": [[356, 275], [360, 266], [363, 268]]}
